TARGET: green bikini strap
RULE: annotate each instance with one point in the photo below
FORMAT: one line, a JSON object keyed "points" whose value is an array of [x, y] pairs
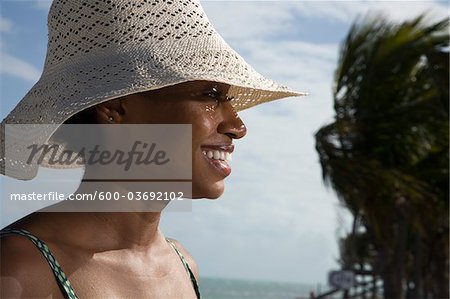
{"points": [[186, 266], [60, 276]]}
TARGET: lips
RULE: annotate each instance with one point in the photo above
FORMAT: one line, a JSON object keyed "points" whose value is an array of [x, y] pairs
{"points": [[219, 157]]}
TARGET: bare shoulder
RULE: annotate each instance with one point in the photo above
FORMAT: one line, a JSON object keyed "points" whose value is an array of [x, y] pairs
{"points": [[23, 269], [190, 260]]}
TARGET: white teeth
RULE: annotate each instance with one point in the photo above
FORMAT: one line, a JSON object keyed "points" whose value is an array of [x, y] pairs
{"points": [[218, 155]]}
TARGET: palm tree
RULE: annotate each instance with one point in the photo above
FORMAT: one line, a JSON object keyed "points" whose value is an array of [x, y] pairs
{"points": [[386, 153]]}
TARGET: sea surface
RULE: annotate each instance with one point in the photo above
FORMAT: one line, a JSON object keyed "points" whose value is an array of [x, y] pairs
{"points": [[218, 288]]}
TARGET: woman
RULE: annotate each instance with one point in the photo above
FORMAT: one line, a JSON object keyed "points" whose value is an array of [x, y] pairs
{"points": [[118, 63]]}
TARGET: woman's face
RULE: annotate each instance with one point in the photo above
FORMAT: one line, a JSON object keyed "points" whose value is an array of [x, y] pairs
{"points": [[214, 121]]}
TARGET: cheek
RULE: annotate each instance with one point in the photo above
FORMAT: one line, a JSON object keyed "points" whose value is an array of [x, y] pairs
{"points": [[204, 126], [204, 183], [204, 131], [210, 110]]}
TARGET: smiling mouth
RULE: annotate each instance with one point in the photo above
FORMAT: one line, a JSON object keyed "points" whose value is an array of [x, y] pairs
{"points": [[219, 157]]}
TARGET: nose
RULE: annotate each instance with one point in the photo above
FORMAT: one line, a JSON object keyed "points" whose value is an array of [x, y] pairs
{"points": [[231, 124]]}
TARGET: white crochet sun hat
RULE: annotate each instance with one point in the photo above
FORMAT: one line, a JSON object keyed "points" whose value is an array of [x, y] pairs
{"points": [[99, 50]]}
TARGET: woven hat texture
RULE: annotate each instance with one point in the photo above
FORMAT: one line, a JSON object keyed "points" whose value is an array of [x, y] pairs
{"points": [[105, 49]]}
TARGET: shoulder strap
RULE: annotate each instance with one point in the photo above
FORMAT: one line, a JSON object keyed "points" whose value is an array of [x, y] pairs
{"points": [[60, 276], [186, 266]]}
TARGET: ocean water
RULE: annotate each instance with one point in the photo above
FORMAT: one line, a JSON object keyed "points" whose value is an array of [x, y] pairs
{"points": [[218, 288]]}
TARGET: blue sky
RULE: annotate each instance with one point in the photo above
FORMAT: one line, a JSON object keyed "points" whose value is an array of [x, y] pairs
{"points": [[276, 221]]}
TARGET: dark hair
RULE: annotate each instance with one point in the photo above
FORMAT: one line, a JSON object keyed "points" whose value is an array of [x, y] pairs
{"points": [[86, 116]]}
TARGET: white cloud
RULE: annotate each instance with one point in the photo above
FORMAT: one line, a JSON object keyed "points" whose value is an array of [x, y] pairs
{"points": [[43, 4], [345, 11], [263, 19], [334, 10], [5, 25], [10, 65], [260, 19], [298, 64]]}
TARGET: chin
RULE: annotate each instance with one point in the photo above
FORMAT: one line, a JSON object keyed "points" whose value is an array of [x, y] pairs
{"points": [[213, 191]]}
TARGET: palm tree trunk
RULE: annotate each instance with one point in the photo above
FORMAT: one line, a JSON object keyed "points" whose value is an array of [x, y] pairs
{"points": [[418, 266], [401, 255], [393, 274], [441, 262]]}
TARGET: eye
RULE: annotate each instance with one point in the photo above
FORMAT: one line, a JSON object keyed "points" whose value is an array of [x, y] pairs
{"points": [[214, 93], [217, 95]]}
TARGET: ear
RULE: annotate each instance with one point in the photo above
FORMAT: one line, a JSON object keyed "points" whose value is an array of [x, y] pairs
{"points": [[110, 112]]}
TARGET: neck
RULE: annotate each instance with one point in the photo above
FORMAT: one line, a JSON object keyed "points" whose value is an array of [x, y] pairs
{"points": [[121, 224], [132, 230]]}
